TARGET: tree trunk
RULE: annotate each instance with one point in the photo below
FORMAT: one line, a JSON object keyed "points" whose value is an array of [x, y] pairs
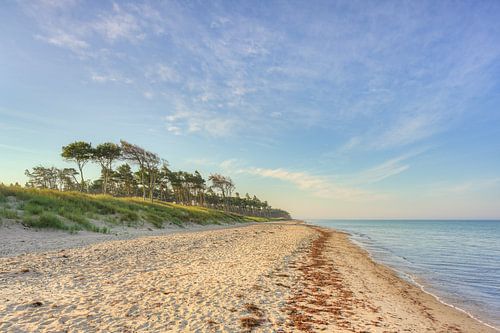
{"points": [[81, 175], [143, 185]]}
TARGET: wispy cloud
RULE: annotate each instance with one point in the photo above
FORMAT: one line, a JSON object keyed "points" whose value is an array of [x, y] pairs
{"points": [[103, 78], [318, 186], [162, 73], [65, 40], [21, 149], [350, 144], [409, 129], [389, 168], [186, 123], [118, 24], [333, 73], [463, 188], [187, 119]]}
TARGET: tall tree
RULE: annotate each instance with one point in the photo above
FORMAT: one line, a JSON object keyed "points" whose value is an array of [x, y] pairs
{"points": [[52, 178], [224, 185], [163, 181], [42, 177], [199, 186], [152, 165], [127, 185], [67, 179], [137, 155], [79, 152], [148, 163], [105, 154]]}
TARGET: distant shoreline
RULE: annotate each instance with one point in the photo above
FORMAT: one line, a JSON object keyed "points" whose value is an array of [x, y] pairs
{"points": [[263, 276]]}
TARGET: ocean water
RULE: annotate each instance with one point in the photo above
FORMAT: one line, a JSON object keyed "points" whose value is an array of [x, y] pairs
{"points": [[457, 261]]}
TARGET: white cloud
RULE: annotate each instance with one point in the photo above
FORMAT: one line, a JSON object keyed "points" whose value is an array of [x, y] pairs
{"points": [[174, 129], [389, 168], [230, 165], [166, 73], [188, 119], [319, 186], [119, 24], [385, 170], [409, 129], [104, 78], [65, 40]]}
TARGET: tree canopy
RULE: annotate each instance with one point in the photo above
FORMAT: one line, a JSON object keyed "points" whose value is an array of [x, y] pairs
{"points": [[80, 152]]}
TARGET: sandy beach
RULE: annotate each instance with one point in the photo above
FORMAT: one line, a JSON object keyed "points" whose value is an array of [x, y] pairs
{"points": [[275, 277]]}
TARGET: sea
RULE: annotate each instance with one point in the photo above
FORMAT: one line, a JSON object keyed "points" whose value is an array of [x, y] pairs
{"points": [[457, 261]]}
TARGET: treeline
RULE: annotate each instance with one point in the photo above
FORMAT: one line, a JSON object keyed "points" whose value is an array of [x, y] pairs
{"points": [[144, 173]]}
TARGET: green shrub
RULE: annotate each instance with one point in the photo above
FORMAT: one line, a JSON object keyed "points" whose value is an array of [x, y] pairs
{"points": [[46, 220], [102, 230], [9, 214], [129, 216], [32, 208], [155, 220]]}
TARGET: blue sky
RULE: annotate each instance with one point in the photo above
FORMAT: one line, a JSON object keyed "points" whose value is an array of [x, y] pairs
{"points": [[347, 109]]}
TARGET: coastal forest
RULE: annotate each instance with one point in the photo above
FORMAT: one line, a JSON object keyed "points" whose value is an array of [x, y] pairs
{"points": [[128, 170]]}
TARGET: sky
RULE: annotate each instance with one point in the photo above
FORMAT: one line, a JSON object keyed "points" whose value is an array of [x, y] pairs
{"points": [[328, 109]]}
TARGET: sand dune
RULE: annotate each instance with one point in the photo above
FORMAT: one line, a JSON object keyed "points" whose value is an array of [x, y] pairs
{"points": [[265, 278]]}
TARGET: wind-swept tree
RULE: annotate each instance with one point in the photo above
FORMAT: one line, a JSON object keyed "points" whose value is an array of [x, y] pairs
{"points": [[42, 177], [67, 179], [148, 163], [79, 152], [52, 178], [222, 184], [152, 165], [199, 186], [163, 181], [105, 154], [137, 155]]}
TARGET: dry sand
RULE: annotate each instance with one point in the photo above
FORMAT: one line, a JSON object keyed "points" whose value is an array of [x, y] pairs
{"points": [[265, 278], [15, 239]]}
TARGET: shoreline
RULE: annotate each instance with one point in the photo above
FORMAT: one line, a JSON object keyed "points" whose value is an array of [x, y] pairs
{"points": [[412, 279], [260, 277], [422, 287]]}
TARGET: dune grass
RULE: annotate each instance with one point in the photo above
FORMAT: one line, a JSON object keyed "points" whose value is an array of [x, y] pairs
{"points": [[74, 211]]}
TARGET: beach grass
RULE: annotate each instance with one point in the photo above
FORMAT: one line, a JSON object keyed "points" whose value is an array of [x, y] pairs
{"points": [[74, 211]]}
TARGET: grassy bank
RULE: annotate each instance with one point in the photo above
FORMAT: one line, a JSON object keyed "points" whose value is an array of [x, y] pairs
{"points": [[74, 211]]}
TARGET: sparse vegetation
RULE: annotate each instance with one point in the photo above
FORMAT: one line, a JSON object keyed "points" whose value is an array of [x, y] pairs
{"points": [[8, 213], [74, 211], [250, 322]]}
